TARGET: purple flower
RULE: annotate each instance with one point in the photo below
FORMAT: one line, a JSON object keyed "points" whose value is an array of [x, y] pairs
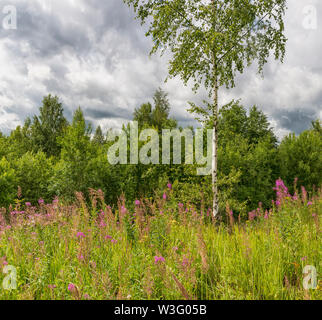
{"points": [[41, 201], [71, 287], [164, 196], [251, 215], [266, 215], [103, 224], [158, 259], [137, 202], [303, 258], [80, 235], [114, 241], [28, 204], [185, 262], [108, 237], [169, 186], [309, 203], [80, 257], [180, 205]]}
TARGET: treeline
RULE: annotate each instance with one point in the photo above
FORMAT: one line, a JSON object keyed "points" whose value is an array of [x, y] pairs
{"points": [[48, 157]]}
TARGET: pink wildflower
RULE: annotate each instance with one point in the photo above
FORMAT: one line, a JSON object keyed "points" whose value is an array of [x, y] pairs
{"points": [[71, 287], [185, 262], [80, 257], [158, 259], [80, 235]]}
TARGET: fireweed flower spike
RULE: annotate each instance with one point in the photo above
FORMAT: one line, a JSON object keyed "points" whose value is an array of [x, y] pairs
{"points": [[80, 235], [71, 287], [158, 259]]}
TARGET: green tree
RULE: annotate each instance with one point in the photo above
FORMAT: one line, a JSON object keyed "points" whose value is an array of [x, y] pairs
{"points": [[258, 127], [3, 146], [316, 126], [99, 136], [157, 116], [211, 41], [71, 172], [48, 126], [143, 115], [20, 140], [233, 119], [8, 183], [33, 172], [300, 157]]}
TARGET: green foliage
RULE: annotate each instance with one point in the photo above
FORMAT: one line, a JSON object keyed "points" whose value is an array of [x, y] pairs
{"points": [[213, 39], [49, 126], [157, 117], [33, 171], [99, 136], [8, 183], [3, 146], [20, 140], [249, 161], [72, 172], [301, 157]]}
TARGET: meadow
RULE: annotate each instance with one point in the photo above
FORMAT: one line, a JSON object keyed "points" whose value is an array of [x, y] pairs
{"points": [[161, 249]]}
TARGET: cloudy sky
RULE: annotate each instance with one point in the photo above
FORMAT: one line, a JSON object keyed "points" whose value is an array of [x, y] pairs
{"points": [[93, 54]]}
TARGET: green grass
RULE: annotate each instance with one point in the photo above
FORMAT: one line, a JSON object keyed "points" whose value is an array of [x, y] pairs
{"points": [[258, 259]]}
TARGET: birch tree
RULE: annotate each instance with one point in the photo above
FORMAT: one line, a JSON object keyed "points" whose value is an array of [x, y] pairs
{"points": [[211, 41]]}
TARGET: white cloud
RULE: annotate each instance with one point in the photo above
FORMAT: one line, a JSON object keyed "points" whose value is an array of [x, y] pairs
{"points": [[93, 54]]}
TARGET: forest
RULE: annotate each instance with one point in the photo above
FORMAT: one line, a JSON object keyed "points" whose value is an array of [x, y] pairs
{"points": [[49, 157]]}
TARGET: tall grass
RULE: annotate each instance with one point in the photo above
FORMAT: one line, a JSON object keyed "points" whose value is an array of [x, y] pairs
{"points": [[159, 250]]}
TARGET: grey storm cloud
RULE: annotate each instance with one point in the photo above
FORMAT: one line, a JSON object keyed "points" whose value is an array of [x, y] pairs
{"points": [[98, 114], [297, 120], [93, 54]]}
